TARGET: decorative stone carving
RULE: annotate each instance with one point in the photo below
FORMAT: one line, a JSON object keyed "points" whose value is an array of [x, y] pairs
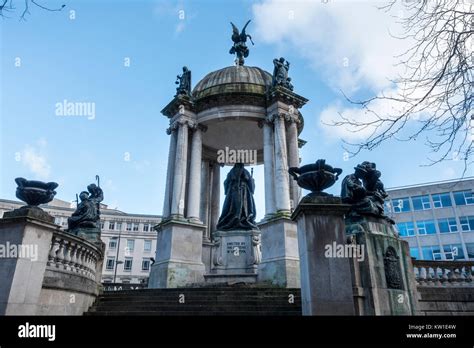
{"points": [[393, 273], [256, 249]]}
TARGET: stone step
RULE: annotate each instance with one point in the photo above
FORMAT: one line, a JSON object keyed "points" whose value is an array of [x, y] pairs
{"points": [[196, 313]]}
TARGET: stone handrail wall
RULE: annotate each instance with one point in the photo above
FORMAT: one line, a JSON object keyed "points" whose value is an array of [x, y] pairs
{"points": [[444, 273], [75, 255]]}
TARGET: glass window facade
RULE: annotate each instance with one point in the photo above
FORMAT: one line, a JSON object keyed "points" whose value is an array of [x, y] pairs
{"points": [[401, 205], [470, 250], [127, 265], [432, 252], [463, 197], [453, 252], [426, 227], [421, 202], [447, 225], [442, 200], [406, 229], [146, 265], [147, 245], [113, 243], [467, 223], [130, 244], [414, 253], [110, 263]]}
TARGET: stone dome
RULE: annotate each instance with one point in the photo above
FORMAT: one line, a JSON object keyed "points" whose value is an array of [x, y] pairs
{"points": [[233, 79]]}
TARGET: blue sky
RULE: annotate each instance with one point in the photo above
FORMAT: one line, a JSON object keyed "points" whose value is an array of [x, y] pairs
{"points": [[51, 58]]}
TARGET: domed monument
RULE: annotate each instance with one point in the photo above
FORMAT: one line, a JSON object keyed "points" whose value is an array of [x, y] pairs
{"points": [[235, 116]]}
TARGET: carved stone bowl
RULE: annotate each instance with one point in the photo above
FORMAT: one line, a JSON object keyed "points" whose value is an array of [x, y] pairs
{"points": [[34, 192], [316, 181]]}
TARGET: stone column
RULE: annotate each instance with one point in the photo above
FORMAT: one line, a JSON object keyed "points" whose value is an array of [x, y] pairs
{"points": [[180, 164], [268, 159], [293, 161], [282, 190], [195, 176], [170, 172], [215, 195], [205, 191]]}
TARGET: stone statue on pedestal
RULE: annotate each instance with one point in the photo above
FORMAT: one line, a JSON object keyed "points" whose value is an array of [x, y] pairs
{"points": [[280, 73], [85, 221], [364, 191], [238, 212], [184, 82], [240, 47]]}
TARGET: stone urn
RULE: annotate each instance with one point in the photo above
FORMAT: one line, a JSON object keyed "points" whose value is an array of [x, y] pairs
{"points": [[315, 177], [34, 193]]}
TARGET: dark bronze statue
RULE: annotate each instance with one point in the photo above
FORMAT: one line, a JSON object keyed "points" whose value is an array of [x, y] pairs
{"points": [[238, 212], [184, 82], [280, 73], [364, 191], [85, 221], [315, 177], [240, 47]]}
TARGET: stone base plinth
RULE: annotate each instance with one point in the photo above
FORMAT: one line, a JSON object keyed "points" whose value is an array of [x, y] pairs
{"points": [[235, 256], [29, 230], [384, 282], [178, 260], [280, 264], [326, 284]]}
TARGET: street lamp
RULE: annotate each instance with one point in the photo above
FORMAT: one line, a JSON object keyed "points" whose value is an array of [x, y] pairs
{"points": [[116, 264]]}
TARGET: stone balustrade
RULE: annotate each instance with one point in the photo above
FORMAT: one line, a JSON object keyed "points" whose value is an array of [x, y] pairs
{"points": [[444, 273], [75, 255]]}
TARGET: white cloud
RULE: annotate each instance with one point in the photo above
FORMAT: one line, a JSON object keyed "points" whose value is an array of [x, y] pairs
{"points": [[348, 42], [35, 160]]}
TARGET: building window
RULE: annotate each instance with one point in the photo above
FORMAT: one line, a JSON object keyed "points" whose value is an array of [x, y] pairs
{"points": [[447, 225], [406, 229], [135, 226], [119, 226], [421, 202], [102, 225], [442, 200], [467, 223], [401, 205], [113, 243], [414, 253], [127, 266], [129, 226], [111, 225], [147, 246], [146, 265], [453, 252], [426, 227], [110, 263], [146, 227], [431, 252], [470, 250], [463, 197], [130, 244]]}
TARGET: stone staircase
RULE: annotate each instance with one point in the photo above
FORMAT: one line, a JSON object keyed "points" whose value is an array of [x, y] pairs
{"points": [[222, 300]]}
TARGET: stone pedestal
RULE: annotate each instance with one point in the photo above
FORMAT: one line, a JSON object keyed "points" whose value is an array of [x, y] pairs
{"points": [[235, 256], [326, 286], [29, 231], [178, 260], [280, 259], [384, 282]]}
